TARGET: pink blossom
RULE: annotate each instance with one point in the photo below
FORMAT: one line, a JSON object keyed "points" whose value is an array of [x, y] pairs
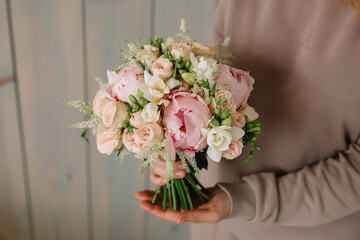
{"points": [[239, 83], [185, 115], [124, 83]]}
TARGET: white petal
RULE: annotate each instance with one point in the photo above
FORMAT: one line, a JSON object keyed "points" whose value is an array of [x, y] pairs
{"points": [[147, 77], [204, 131], [146, 93], [172, 83], [236, 133], [193, 60], [213, 154]]}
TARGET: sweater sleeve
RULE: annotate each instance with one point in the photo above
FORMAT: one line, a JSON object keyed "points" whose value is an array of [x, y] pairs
{"points": [[315, 195], [219, 23]]}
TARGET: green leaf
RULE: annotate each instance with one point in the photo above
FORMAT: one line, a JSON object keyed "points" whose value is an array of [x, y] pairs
{"points": [[221, 101], [83, 134], [201, 160]]}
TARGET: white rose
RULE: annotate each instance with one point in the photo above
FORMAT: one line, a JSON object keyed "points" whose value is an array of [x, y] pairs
{"points": [[150, 112], [249, 112], [219, 139]]}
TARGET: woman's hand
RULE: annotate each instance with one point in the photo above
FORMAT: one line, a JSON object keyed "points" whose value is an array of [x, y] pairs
{"points": [[158, 176], [214, 211]]}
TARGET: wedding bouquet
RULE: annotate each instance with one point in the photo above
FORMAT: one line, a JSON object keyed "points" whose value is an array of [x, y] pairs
{"points": [[178, 100]]}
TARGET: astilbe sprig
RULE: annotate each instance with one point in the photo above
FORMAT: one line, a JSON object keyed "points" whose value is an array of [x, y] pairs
{"points": [[128, 55], [224, 55]]}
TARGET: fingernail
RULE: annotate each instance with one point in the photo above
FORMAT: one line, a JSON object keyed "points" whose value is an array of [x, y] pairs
{"points": [[179, 173], [183, 220]]}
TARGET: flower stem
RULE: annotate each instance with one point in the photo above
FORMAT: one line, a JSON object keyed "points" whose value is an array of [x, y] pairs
{"points": [[198, 183], [174, 195], [201, 195], [164, 197], [181, 194], [187, 194], [158, 190], [170, 196]]}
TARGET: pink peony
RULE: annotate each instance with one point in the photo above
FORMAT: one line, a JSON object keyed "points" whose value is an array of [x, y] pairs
{"points": [[185, 115], [122, 84], [239, 83]]}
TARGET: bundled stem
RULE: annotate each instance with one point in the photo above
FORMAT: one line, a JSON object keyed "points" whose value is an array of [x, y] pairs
{"points": [[177, 193]]}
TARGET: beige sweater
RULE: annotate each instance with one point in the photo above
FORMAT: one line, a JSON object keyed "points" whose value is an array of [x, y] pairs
{"points": [[305, 182]]}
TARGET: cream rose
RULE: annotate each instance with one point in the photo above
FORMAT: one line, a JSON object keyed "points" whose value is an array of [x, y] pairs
{"points": [[203, 50], [150, 112], [152, 49], [235, 149], [181, 49], [108, 141], [238, 120], [114, 114], [249, 112], [150, 134], [162, 68], [146, 56], [137, 120], [168, 44], [132, 142], [230, 102], [99, 105]]}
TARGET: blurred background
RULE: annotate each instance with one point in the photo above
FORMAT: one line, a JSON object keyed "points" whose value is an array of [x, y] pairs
{"points": [[53, 185]]}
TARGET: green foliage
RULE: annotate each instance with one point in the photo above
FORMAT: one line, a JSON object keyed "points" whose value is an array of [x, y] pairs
{"points": [[201, 160], [252, 129], [83, 134]]}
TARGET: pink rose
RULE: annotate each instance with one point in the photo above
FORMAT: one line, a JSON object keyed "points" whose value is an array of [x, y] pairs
{"points": [[230, 101], [239, 83], [235, 149], [137, 120], [125, 82], [150, 134], [146, 136], [238, 120], [114, 114], [185, 115], [108, 141], [132, 142]]}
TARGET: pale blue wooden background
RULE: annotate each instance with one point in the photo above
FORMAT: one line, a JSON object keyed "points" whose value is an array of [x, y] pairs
{"points": [[52, 184]]}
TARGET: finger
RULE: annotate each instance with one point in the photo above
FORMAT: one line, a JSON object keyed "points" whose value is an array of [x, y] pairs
{"points": [[168, 214], [144, 195], [199, 216], [157, 180], [162, 172]]}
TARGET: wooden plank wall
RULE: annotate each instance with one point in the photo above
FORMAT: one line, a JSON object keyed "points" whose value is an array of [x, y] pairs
{"points": [[53, 185]]}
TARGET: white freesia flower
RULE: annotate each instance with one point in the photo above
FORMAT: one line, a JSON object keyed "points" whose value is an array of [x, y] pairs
{"points": [[155, 88], [219, 139], [150, 112], [203, 68]]}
